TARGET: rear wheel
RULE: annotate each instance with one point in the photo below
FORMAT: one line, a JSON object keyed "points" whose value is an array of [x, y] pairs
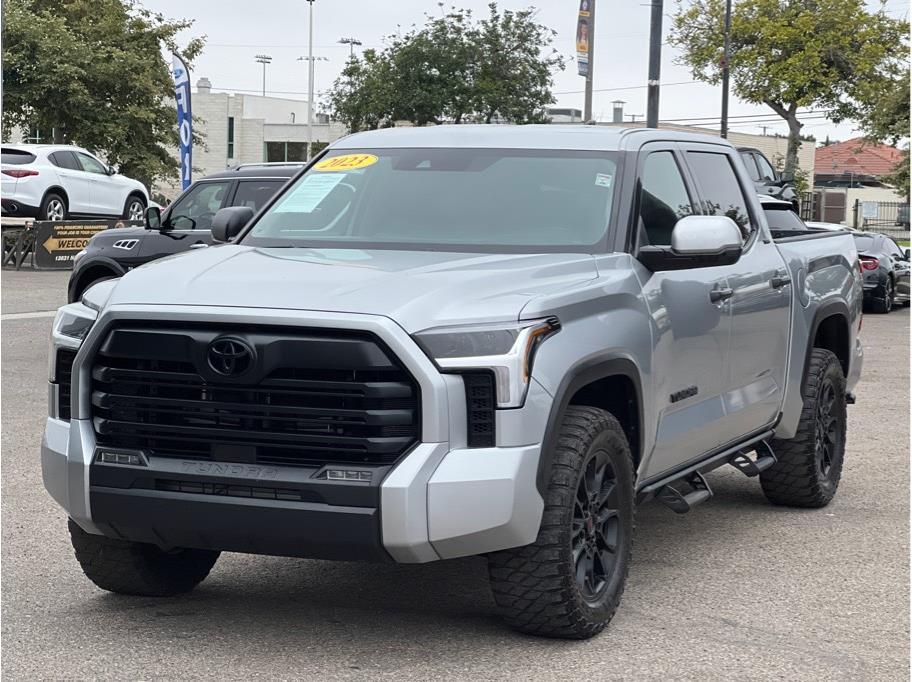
{"points": [[809, 465], [137, 568], [885, 304], [569, 582], [53, 207]]}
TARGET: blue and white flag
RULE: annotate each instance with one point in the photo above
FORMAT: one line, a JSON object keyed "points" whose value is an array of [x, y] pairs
{"points": [[184, 118]]}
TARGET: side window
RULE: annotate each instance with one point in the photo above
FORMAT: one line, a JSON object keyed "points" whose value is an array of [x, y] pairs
{"points": [[751, 166], [894, 249], [90, 165], [255, 193], [65, 160], [766, 170], [195, 209], [722, 194], [663, 199]]}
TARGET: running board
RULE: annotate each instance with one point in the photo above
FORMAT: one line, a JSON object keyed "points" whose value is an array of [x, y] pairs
{"points": [[752, 467], [681, 503]]}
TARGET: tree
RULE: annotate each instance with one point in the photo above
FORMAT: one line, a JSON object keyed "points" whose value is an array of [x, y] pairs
{"points": [[454, 68], [93, 71], [791, 54], [886, 119]]}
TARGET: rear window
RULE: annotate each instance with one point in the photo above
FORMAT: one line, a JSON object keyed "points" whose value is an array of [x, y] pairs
{"points": [[255, 193], [864, 243], [783, 219], [16, 157]]}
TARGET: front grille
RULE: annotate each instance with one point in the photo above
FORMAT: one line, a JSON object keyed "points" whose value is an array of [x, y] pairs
{"points": [[313, 397], [232, 490], [63, 377]]}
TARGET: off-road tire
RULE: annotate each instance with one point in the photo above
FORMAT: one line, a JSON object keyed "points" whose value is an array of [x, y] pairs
{"points": [[535, 586], [798, 479], [884, 304], [56, 200], [137, 568]]}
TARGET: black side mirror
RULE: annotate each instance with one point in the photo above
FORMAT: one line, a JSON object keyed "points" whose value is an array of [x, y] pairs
{"points": [[787, 177], [907, 254], [228, 222], [153, 218], [110, 170]]}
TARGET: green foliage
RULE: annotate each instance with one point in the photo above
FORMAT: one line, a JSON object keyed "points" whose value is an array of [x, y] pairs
{"points": [[94, 70], [454, 68], [790, 54], [886, 119]]}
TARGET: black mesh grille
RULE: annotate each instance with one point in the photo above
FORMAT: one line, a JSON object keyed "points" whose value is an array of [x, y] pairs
{"points": [[63, 377], [314, 397], [480, 405]]}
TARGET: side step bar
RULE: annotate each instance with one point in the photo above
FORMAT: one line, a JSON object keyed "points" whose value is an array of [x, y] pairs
{"points": [[666, 489]]}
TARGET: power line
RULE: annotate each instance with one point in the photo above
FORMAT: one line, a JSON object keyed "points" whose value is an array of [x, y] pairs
{"points": [[628, 87]]}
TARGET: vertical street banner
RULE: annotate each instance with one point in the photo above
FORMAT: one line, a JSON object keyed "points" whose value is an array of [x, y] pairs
{"points": [[184, 118], [583, 26]]}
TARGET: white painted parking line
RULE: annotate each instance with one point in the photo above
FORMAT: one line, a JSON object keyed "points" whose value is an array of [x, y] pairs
{"points": [[27, 316]]}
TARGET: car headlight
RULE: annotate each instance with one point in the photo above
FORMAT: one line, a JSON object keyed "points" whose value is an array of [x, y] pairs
{"points": [[507, 350], [72, 324]]}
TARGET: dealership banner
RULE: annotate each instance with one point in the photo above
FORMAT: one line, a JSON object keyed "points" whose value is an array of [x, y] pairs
{"points": [[56, 244], [583, 27], [184, 118]]}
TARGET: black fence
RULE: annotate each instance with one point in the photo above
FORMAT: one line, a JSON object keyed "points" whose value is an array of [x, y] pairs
{"points": [[889, 217]]}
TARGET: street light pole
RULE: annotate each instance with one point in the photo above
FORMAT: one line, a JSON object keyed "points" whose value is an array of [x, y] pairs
{"points": [[655, 64], [310, 78], [264, 59], [726, 51], [351, 42]]}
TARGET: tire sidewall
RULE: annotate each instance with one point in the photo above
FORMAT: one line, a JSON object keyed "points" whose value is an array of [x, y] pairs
{"points": [[832, 374], [619, 455], [46, 203]]}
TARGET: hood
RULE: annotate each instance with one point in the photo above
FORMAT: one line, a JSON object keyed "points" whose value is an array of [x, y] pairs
{"points": [[417, 289]]}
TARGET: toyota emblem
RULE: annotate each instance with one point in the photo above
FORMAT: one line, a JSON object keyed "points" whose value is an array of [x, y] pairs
{"points": [[230, 357]]}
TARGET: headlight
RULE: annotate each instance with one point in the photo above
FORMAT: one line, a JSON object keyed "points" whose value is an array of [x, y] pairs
{"points": [[508, 350], [71, 325]]}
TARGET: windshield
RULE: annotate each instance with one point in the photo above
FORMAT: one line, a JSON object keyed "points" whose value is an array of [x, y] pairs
{"points": [[445, 199]]}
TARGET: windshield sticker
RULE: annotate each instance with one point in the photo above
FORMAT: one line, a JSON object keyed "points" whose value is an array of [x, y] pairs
{"points": [[309, 193], [603, 179], [346, 162]]}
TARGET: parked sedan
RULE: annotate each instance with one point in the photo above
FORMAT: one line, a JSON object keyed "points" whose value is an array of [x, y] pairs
{"points": [[57, 182], [885, 267], [184, 225]]}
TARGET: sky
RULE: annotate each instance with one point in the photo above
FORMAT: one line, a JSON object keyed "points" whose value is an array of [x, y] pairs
{"points": [[237, 30]]}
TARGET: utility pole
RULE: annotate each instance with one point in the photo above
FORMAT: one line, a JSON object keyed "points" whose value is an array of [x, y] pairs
{"points": [[726, 51], [264, 59], [655, 65], [351, 42], [587, 107], [310, 79]]}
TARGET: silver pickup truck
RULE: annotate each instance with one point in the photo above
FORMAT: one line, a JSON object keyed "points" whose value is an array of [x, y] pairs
{"points": [[450, 341]]}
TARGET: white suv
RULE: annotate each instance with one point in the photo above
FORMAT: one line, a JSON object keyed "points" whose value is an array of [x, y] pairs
{"points": [[56, 182]]}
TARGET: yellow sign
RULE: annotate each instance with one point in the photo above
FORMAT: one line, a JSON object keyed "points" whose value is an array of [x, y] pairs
{"points": [[346, 162]]}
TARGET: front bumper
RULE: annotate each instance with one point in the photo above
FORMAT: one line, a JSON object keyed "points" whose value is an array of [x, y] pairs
{"points": [[441, 500]]}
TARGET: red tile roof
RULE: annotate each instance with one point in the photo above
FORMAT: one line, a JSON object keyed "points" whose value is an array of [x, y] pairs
{"points": [[858, 155]]}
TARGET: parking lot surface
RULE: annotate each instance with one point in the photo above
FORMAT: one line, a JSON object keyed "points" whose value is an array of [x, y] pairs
{"points": [[735, 589]]}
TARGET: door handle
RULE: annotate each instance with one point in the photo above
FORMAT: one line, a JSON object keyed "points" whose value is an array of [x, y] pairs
{"points": [[778, 281], [717, 295], [199, 245]]}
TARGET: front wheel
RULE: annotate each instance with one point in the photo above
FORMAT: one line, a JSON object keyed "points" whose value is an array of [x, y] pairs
{"points": [[137, 568], [809, 465], [569, 582], [134, 209]]}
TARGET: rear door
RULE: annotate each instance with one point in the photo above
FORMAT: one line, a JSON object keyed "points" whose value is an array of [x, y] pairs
{"points": [[760, 305], [189, 219], [77, 183], [691, 332]]}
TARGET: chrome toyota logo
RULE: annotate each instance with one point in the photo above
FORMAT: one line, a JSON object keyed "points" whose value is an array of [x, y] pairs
{"points": [[230, 357]]}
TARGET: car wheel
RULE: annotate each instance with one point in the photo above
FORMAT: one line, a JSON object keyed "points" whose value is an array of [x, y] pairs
{"points": [[137, 568], [134, 209], [884, 304], [53, 207], [569, 582], [809, 466]]}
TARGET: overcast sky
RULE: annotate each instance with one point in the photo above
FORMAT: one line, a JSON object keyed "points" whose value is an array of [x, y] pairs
{"points": [[237, 30]]}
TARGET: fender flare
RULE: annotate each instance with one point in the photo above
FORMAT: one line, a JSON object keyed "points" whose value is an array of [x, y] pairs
{"points": [[581, 374], [826, 310], [116, 269]]}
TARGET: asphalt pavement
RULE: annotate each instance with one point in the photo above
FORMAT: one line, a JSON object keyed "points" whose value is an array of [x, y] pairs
{"points": [[735, 589]]}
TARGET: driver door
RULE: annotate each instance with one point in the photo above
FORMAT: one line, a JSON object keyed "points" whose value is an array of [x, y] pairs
{"points": [[188, 220]]}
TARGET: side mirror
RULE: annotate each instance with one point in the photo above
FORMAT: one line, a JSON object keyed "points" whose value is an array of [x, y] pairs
{"points": [[153, 218], [697, 241], [110, 170], [787, 177], [228, 222], [908, 254]]}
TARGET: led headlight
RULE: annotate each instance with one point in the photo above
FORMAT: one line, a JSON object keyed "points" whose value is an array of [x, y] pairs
{"points": [[71, 325], [507, 350]]}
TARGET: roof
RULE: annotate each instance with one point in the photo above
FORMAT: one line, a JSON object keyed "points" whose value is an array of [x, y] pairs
{"points": [[266, 170], [43, 147], [500, 136], [858, 156]]}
